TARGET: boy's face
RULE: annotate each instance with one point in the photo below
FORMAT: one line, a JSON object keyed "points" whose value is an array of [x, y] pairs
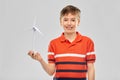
{"points": [[69, 23]]}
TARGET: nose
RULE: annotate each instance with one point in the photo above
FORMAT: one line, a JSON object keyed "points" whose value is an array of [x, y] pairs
{"points": [[69, 22]]}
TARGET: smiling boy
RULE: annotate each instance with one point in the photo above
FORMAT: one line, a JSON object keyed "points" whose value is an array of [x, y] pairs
{"points": [[70, 56]]}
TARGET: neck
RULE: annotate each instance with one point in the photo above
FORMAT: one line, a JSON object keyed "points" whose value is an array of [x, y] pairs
{"points": [[70, 36]]}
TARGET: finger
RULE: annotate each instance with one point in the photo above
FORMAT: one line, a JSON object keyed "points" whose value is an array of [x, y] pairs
{"points": [[37, 53], [31, 53], [35, 56]]}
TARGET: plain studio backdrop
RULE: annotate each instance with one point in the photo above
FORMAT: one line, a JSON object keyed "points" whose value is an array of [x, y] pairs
{"points": [[100, 20]]}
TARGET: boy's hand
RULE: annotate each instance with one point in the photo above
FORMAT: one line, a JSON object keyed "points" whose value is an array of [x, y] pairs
{"points": [[35, 55]]}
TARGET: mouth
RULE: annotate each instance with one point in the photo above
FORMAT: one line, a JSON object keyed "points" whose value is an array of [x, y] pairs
{"points": [[69, 28]]}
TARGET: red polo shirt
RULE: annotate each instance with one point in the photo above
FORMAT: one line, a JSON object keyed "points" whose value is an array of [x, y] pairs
{"points": [[71, 58]]}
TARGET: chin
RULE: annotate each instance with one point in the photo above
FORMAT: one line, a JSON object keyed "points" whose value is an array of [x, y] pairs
{"points": [[69, 32]]}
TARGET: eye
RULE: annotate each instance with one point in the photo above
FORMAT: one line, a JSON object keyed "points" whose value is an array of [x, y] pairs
{"points": [[65, 19], [73, 20]]}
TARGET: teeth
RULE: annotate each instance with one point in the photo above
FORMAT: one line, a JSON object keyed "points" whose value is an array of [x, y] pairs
{"points": [[69, 27]]}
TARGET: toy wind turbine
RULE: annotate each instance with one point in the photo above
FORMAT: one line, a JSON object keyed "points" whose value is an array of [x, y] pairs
{"points": [[35, 29]]}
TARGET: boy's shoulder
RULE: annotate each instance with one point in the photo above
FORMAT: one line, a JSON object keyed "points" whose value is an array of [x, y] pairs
{"points": [[87, 38], [55, 39]]}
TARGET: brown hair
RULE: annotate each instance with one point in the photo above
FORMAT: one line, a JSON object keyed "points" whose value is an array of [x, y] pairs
{"points": [[70, 9]]}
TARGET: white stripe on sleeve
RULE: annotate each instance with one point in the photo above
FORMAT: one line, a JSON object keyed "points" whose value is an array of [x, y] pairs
{"points": [[50, 53], [89, 53]]}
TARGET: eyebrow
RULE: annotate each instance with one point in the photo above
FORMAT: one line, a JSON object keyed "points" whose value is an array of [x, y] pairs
{"points": [[70, 18]]}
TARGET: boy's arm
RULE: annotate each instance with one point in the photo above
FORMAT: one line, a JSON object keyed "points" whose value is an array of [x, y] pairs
{"points": [[91, 71], [48, 67]]}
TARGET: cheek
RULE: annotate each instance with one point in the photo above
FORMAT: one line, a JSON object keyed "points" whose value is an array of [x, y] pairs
{"points": [[74, 24], [77, 24], [63, 24]]}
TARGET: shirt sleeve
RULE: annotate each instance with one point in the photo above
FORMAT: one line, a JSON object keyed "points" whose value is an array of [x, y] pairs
{"points": [[51, 58], [90, 56]]}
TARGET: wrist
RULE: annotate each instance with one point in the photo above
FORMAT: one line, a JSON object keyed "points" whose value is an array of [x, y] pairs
{"points": [[40, 60]]}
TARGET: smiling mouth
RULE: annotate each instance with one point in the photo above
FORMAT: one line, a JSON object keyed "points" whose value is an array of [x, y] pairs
{"points": [[69, 28]]}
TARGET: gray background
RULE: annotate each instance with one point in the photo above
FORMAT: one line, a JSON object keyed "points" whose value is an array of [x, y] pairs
{"points": [[99, 20]]}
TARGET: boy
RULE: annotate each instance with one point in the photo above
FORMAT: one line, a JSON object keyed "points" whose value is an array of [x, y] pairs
{"points": [[70, 56]]}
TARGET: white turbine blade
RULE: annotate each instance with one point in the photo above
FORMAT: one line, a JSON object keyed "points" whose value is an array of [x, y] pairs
{"points": [[34, 23], [35, 29], [33, 44]]}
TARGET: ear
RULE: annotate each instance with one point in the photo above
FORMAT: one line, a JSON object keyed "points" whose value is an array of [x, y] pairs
{"points": [[78, 22]]}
